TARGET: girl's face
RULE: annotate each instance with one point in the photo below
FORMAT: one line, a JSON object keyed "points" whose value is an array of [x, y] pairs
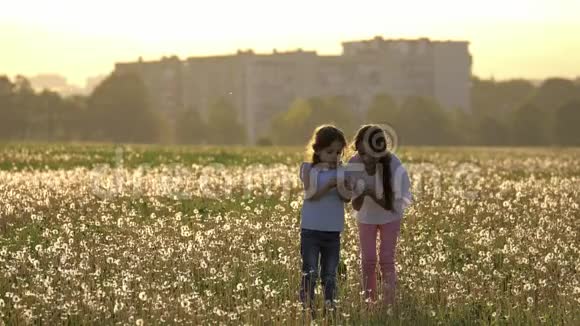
{"points": [[331, 154], [368, 160]]}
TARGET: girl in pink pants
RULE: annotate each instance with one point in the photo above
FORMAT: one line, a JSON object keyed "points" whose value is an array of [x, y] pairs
{"points": [[388, 234], [381, 193]]}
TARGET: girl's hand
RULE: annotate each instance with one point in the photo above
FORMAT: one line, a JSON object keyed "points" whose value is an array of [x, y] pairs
{"points": [[357, 187], [332, 182], [370, 193], [348, 184]]}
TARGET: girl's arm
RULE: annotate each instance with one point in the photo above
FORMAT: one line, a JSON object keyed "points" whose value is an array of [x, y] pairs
{"points": [[357, 202], [403, 196], [372, 193], [315, 195], [309, 182], [305, 175], [345, 191], [343, 197], [399, 204], [380, 201]]}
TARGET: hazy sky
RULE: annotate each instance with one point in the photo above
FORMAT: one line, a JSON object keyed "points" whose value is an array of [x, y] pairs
{"points": [[509, 38]]}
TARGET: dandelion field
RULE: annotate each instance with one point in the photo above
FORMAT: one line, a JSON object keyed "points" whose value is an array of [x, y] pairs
{"points": [[98, 234]]}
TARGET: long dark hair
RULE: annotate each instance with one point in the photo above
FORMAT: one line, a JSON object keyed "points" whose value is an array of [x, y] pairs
{"points": [[374, 140], [323, 137]]}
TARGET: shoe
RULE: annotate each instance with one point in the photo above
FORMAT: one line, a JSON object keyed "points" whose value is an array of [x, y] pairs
{"points": [[329, 309], [305, 310]]}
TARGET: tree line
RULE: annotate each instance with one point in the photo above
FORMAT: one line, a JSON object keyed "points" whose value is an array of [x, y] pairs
{"points": [[503, 113], [119, 110]]}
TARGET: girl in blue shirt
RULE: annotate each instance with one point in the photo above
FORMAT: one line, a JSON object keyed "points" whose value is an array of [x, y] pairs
{"points": [[322, 215]]}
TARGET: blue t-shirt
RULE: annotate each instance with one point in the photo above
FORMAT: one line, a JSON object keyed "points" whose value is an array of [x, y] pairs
{"points": [[327, 212]]}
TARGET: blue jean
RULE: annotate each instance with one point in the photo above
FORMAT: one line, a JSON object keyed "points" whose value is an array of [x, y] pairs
{"points": [[314, 245]]}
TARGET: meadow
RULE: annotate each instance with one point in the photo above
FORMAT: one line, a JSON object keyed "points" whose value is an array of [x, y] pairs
{"points": [[139, 235]]}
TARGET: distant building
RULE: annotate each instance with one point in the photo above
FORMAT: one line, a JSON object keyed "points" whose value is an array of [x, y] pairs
{"points": [[436, 69], [48, 81], [262, 85], [92, 83], [55, 83]]}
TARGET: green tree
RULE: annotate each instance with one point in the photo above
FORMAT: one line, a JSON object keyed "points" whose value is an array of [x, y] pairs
{"points": [[529, 126], [567, 121], [76, 120], [23, 109], [190, 127], [554, 93], [7, 89], [223, 125], [296, 125], [383, 109], [333, 110], [498, 99], [44, 118], [462, 125], [492, 132], [423, 122], [121, 112], [293, 126]]}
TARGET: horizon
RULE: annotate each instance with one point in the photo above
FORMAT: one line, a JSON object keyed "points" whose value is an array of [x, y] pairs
{"points": [[85, 85], [518, 40]]}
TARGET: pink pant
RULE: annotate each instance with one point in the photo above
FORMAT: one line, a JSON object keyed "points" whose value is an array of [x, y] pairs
{"points": [[368, 244]]}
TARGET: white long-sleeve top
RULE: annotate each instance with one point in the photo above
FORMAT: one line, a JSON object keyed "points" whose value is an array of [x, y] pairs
{"points": [[371, 212]]}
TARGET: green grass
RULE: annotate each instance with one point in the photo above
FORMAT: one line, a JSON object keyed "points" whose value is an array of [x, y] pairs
{"points": [[228, 251]]}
